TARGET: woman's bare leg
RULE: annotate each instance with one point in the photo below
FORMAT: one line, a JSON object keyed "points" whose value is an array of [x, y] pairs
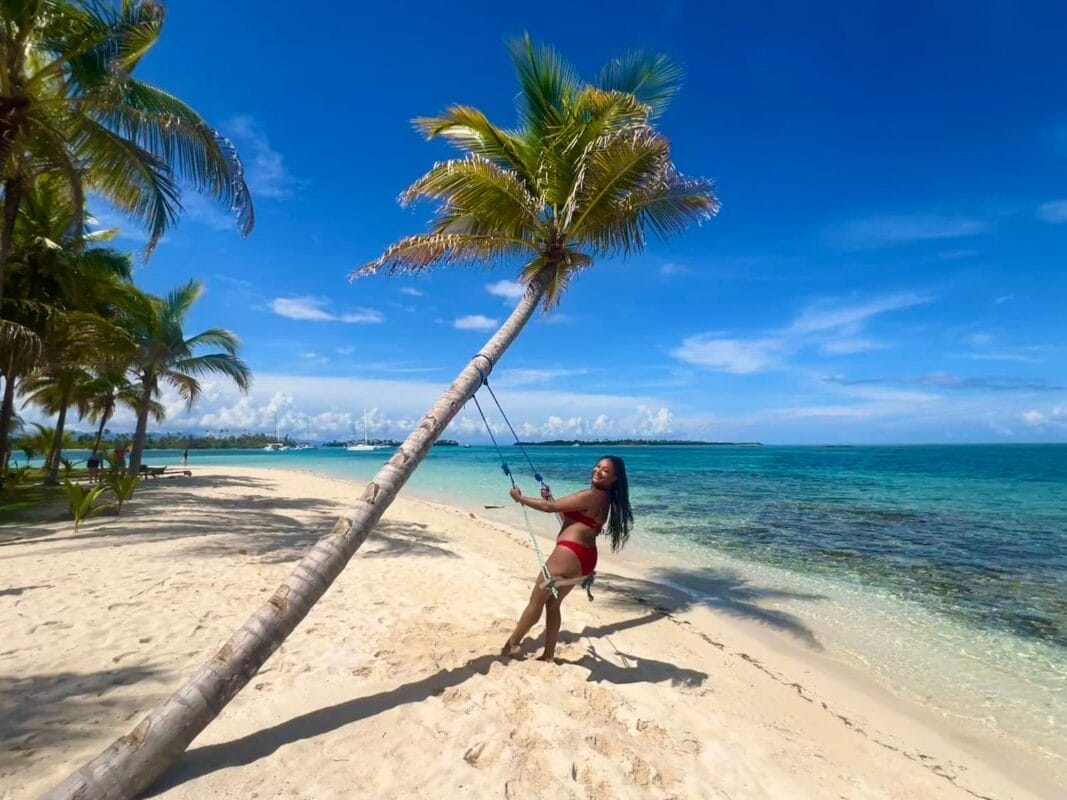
{"points": [[561, 563], [529, 616], [553, 619]]}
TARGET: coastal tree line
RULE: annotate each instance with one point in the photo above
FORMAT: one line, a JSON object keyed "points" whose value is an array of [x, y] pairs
{"points": [[78, 339]]}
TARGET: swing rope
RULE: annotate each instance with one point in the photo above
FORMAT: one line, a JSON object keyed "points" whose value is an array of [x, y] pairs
{"points": [[549, 582]]}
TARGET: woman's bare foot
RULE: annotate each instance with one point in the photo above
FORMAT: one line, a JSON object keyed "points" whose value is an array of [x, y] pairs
{"points": [[510, 649], [547, 657]]}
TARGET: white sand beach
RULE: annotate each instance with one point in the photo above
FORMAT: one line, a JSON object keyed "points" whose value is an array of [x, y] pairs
{"points": [[393, 686]]}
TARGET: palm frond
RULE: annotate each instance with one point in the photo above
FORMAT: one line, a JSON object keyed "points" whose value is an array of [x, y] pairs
{"points": [[225, 364], [653, 79], [93, 43], [188, 387], [173, 131], [597, 117], [50, 154], [133, 179], [548, 85], [480, 191], [666, 205], [612, 170], [556, 273], [177, 302], [417, 253], [20, 349], [470, 130], [215, 337]]}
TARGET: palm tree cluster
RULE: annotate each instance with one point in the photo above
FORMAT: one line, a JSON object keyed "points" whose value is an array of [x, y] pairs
{"points": [[77, 128]]}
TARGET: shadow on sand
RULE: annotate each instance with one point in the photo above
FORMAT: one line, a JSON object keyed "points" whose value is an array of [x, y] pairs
{"points": [[45, 711]]}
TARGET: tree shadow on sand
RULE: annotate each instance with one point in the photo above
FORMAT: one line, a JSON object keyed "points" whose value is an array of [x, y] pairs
{"points": [[388, 539], [249, 749], [43, 711], [668, 593], [255, 524], [108, 526], [674, 590]]}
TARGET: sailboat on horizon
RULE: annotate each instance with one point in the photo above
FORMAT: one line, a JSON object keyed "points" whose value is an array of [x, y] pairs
{"points": [[365, 445], [276, 446]]}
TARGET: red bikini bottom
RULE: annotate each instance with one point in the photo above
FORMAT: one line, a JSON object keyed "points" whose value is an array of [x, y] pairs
{"points": [[586, 555]]}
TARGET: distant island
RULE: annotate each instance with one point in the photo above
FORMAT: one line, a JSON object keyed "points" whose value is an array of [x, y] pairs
{"points": [[390, 443], [635, 443]]}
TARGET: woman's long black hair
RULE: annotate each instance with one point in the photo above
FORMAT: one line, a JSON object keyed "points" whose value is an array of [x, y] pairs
{"points": [[620, 517]]}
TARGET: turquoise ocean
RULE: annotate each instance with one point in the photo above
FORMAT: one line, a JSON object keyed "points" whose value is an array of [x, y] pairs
{"points": [[940, 569]]}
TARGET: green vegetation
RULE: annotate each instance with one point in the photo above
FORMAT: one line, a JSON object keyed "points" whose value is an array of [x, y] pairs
{"points": [[77, 338], [121, 486], [163, 355], [84, 502]]}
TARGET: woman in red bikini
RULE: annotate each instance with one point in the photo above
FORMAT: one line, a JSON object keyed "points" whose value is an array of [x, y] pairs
{"points": [[583, 516]]}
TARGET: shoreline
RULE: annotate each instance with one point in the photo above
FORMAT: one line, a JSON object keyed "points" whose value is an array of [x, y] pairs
{"points": [[818, 701], [845, 670]]}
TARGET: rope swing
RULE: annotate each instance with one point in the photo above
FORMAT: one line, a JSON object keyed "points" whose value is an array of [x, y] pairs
{"points": [[549, 582]]}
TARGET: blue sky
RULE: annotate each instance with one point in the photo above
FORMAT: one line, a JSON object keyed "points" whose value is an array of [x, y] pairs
{"points": [[888, 265]]}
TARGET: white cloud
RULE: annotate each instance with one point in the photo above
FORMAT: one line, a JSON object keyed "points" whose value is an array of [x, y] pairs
{"points": [[848, 346], [394, 407], [670, 269], [411, 291], [207, 212], [347, 350], [1004, 299], [828, 315], [511, 378], [510, 290], [555, 318], [654, 421], [891, 230], [474, 322], [1055, 416], [1022, 359], [1054, 212], [829, 326], [729, 355], [265, 170], [312, 308], [1033, 417]]}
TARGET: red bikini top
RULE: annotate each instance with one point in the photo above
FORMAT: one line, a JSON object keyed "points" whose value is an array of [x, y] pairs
{"points": [[578, 516]]}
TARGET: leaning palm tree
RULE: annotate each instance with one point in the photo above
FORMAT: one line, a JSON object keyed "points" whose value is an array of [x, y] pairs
{"points": [[585, 173], [70, 107], [165, 356]]}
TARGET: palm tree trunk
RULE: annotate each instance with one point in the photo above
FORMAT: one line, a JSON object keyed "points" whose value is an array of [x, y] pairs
{"points": [[133, 762], [57, 444], [100, 431], [7, 413], [12, 198], [142, 426]]}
